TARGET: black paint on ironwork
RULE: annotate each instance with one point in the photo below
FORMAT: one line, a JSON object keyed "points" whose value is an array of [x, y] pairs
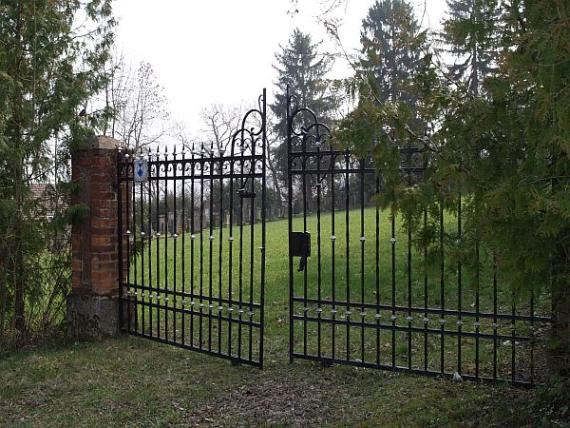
{"points": [[394, 315], [182, 290], [376, 300]]}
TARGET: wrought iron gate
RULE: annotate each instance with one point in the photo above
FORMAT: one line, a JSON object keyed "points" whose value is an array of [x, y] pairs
{"points": [[193, 244], [193, 228], [358, 294]]}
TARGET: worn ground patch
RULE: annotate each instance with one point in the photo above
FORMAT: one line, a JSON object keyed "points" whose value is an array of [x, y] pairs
{"points": [[275, 401]]}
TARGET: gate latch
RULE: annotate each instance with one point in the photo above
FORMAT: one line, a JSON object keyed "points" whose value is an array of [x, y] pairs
{"points": [[300, 246]]}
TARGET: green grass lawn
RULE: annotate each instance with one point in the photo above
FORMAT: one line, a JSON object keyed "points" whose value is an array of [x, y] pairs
{"points": [[136, 382], [174, 258], [177, 253]]}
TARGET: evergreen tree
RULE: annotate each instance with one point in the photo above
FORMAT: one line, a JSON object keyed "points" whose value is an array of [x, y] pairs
{"points": [[302, 69], [470, 31], [390, 50], [52, 55], [507, 154]]}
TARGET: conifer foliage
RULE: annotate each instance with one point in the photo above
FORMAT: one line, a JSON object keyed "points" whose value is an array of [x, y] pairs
{"points": [[52, 57], [498, 136], [390, 49], [470, 32], [301, 67], [302, 70]]}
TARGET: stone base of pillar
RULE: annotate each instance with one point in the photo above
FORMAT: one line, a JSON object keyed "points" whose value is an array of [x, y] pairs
{"points": [[92, 317]]}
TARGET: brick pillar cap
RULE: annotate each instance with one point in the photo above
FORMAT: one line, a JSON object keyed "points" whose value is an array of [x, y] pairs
{"points": [[103, 142]]}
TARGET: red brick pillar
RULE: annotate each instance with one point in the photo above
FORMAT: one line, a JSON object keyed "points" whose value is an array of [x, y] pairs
{"points": [[93, 305]]}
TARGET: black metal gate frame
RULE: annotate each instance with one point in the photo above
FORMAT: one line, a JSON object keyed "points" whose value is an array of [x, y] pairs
{"points": [[312, 159], [175, 307]]}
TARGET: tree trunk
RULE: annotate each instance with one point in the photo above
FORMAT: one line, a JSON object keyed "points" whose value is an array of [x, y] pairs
{"points": [[560, 337], [279, 188], [3, 299], [19, 182], [19, 287]]}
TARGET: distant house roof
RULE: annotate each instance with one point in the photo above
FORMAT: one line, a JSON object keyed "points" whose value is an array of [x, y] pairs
{"points": [[42, 190], [44, 193]]}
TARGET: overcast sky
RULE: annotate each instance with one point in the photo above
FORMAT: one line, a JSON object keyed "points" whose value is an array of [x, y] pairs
{"points": [[221, 51]]}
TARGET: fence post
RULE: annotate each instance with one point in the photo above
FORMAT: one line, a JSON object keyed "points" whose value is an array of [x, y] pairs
{"points": [[93, 305]]}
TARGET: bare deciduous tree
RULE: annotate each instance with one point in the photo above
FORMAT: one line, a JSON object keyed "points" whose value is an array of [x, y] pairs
{"points": [[138, 103], [221, 122]]}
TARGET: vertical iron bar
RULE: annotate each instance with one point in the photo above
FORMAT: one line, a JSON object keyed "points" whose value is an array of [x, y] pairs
{"points": [[409, 315], [362, 242], [305, 280], [183, 255], [201, 317], [156, 294], [477, 307], [128, 231], [211, 248], [495, 316], [425, 297], [263, 220], [347, 231], [393, 240], [251, 255], [333, 265], [409, 295], [319, 266], [166, 230], [192, 241], [220, 258], [442, 290], [290, 223], [149, 246], [175, 250], [230, 249], [532, 342], [134, 234], [241, 222], [142, 293], [377, 263], [459, 288]]}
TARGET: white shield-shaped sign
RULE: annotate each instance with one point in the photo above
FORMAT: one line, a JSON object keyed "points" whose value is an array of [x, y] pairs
{"points": [[140, 170]]}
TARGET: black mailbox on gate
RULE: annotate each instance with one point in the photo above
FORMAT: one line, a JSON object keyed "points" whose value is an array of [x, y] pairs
{"points": [[300, 244]]}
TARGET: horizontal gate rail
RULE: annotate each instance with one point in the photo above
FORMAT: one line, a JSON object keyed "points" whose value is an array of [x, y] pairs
{"points": [[183, 295], [403, 369], [418, 309]]}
